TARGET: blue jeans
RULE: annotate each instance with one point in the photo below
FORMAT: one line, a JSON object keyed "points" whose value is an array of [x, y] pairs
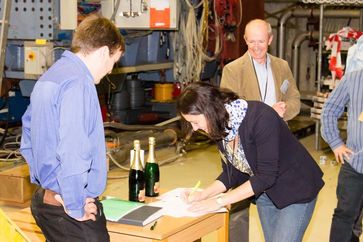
{"points": [[349, 194], [284, 225]]}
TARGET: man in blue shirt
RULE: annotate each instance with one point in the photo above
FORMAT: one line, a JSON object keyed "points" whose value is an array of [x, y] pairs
{"points": [[348, 93], [63, 137]]}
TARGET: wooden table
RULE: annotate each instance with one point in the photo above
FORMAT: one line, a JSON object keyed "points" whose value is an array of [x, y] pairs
{"points": [[168, 229]]}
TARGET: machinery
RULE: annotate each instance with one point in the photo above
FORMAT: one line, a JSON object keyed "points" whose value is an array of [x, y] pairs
{"points": [[142, 14], [39, 31]]}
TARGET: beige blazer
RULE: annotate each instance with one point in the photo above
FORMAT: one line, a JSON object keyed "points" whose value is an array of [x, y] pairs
{"points": [[240, 77]]}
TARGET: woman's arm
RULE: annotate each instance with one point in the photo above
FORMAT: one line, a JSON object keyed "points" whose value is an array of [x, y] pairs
{"points": [[215, 188], [238, 194], [213, 203]]}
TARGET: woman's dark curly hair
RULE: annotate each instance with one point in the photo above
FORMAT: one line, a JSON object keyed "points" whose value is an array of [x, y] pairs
{"points": [[204, 98]]}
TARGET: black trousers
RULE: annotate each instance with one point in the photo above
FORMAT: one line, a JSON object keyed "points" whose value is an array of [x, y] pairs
{"points": [[239, 221], [350, 200], [56, 225]]}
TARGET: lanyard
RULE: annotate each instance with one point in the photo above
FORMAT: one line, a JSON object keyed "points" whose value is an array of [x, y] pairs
{"points": [[258, 84], [228, 168]]}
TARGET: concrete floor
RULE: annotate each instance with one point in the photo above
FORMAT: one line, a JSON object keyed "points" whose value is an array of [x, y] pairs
{"points": [[204, 165]]}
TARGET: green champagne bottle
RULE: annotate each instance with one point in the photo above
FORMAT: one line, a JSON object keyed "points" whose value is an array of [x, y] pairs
{"points": [[136, 175], [152, 172]]}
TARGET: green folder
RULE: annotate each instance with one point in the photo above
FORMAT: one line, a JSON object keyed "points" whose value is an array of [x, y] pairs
{"points": [[115, 208]]}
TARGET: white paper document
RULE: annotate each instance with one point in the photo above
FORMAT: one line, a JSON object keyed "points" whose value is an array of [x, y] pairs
{"points": [[172, 205]]}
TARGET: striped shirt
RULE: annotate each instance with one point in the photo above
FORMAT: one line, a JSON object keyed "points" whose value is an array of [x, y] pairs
{"points": [[348, 93]]}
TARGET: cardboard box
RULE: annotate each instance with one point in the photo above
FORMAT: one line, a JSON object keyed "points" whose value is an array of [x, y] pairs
{"points": [[15, 184]]}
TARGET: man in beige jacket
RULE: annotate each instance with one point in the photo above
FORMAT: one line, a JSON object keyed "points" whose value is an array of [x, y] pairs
{"points": [[258, 75]]}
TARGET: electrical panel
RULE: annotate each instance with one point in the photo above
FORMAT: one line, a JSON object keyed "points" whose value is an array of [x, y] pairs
{"points": [[142, 14], [31, 19], [37, 58]]}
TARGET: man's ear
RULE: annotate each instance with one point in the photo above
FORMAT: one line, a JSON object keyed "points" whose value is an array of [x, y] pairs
{"points": [[270, 39], [104, 51]]}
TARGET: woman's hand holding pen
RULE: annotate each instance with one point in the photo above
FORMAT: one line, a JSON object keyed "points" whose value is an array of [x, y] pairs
{"points": [[190, 196], [204, 200]]}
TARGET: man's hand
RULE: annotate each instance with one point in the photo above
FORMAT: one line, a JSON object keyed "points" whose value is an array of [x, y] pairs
{"points": [[90, 208], [280, 108], [342, 152]]}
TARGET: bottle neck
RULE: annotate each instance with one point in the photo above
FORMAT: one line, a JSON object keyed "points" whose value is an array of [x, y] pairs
{"points": [[136, 161], [151, 156]]}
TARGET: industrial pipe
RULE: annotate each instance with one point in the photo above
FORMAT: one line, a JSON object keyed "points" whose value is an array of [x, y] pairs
{"points": [[131, 127], [295, 52], [299, 13], [320, 51]]}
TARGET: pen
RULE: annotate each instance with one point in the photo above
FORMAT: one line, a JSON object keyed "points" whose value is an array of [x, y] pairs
{"points": [[194, 189], [153, 226]]}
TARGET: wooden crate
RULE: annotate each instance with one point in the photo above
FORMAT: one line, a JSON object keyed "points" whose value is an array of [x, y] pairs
{"points": [[15, 184]]}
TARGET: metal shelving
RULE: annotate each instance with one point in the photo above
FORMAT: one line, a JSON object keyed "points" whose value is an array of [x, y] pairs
{"points": [[142, 68], [323, 3]]}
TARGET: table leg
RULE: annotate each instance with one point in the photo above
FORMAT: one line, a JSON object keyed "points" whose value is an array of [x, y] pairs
{"points": [[222, 232]]}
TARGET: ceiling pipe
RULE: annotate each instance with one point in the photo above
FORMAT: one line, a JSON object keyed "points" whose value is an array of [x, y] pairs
{"points": [[299, 13], [320, 50], [299, 39]]}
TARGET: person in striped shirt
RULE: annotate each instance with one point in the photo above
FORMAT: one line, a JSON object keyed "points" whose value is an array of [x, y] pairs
{"points": [[347, 95]]}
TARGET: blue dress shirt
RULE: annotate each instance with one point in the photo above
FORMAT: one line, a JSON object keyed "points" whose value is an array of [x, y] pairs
{"points": [[63, 137], [348, 93]]}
